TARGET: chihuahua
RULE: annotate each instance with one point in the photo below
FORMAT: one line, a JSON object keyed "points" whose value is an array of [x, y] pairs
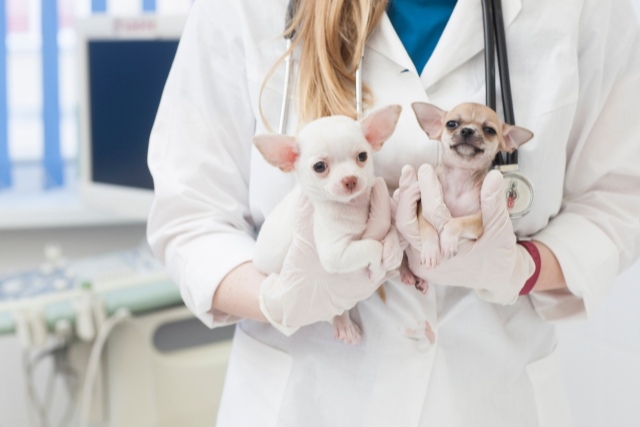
{"points": [[470, 136], [332, 159]]}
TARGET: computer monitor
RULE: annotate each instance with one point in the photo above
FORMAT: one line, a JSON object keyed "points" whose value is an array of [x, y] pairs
{"points": [[124, 63]]}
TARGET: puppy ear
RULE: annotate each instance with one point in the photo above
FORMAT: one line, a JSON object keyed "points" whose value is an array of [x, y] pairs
{"points": [[278, 150], [379, 125], [430, 118], [514, 137]]}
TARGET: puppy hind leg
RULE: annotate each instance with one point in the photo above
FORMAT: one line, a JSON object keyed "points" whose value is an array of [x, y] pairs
{"points": [[408, 278], [406, 275], [346, 330]]}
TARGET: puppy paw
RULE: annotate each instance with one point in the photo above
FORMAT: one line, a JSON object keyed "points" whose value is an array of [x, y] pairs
{"points": [[407, 277], [430, 255], [422, 286], [448, 243], [346, 330]]}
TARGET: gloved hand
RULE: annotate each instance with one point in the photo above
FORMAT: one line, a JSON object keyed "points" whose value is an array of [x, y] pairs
{"points": [[304, 293], [495, 266]]}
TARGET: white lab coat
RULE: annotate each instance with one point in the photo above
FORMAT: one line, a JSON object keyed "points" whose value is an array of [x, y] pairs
{"points": [[575, 79]]}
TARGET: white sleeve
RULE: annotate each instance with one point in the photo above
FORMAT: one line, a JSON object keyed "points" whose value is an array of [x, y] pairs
{"points": [[199, 157], [597, 232]]}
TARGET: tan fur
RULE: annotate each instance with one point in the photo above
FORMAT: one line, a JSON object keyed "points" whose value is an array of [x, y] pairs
{"points": [[470, 135]]}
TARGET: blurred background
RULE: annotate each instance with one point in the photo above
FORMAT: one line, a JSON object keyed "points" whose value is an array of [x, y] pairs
{"points": [[79, 84]]}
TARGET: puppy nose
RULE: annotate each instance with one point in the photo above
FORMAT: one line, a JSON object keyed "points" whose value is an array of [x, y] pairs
{"points": [[350, 182], [467, 132]]}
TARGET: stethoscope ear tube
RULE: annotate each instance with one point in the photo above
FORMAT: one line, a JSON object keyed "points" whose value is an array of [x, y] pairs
{"points": [[286, 91], [284, 106], [291, 11]]}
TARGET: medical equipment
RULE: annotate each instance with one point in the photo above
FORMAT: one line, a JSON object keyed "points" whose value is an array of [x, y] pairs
{"points": [[34, 301], [64, 311], [518, 190], [62, 305]]}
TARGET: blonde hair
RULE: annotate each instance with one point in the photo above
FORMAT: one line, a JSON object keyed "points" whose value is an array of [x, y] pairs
{"points": [[332, 35]]}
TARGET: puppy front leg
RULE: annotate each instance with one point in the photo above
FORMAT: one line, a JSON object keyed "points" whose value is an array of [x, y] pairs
{"points": [[434, 209], [469, 227], [430, 250]]}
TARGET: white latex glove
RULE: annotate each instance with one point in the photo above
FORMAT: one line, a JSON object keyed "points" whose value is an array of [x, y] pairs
{"points": [[495, 266], [304, 293]]}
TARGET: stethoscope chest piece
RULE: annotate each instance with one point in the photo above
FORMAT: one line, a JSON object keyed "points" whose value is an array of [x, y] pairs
{"points": [[518, 193]]}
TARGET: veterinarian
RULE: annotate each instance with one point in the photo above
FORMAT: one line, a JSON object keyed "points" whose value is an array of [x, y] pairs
{"points": [[453, 357]]}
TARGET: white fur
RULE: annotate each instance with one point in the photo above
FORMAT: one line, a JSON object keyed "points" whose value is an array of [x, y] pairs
{"points": [[340, 214], [340, 195]]}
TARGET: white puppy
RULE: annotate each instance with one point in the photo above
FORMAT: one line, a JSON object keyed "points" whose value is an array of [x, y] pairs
{"points": [[332, 159]]}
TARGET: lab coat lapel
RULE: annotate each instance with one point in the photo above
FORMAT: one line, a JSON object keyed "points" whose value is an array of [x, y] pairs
{"points": [[385, 41], [462, 38]]}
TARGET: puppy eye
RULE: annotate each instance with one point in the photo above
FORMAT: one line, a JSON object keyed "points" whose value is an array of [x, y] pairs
{"points": [[490, 131], [452, 124], [320, 167], [362, 157]]}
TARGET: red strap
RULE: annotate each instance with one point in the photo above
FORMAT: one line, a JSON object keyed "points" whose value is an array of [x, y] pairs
{"points": [[535, 254]]}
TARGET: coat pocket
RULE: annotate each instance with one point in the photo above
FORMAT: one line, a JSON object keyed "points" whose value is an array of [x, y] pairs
{"points": [[254, 387], [551, 401]]}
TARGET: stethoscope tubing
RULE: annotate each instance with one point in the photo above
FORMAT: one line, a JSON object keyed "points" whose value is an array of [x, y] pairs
{"points": [[489, 54], [284, 106], [495, 42], [516, 186]]}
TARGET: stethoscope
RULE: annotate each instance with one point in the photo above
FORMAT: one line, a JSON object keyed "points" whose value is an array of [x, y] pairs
{"points": [[518, 190]]}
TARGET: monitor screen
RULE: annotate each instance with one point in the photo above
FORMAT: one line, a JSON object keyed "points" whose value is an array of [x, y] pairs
{"points": [[123, 66], [126, 79]]}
